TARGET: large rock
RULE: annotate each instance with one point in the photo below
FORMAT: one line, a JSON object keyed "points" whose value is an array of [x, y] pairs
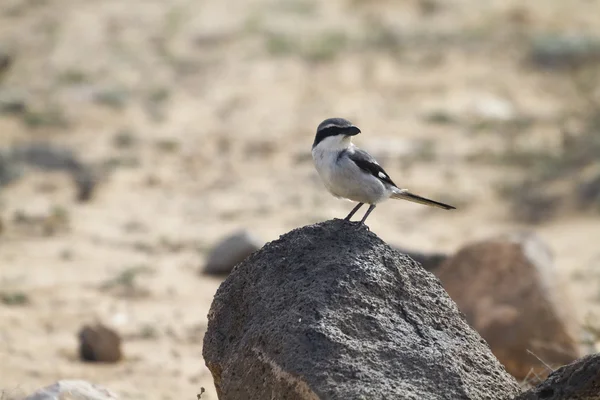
{"points": [[72, 390], [330, 311], [508, 291], [579, 380]]}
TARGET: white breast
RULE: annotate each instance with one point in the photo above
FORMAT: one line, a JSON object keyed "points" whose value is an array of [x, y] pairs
{"points": [[344, 179], [325, 163]]}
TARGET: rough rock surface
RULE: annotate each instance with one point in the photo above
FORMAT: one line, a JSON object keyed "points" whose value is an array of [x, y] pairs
{"points": [[330, 311], [506, 287], [72, 390], [579, 380], [231, 251], [99, 343]]}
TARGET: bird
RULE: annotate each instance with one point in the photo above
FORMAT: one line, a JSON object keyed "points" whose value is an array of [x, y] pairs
{"points": [[351, 173]]}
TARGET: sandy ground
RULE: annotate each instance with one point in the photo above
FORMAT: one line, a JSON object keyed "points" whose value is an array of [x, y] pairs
{"points": [[223, 101]]}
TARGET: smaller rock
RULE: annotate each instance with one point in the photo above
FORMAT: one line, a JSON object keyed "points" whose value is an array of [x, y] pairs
{"points": [[579, 380], [230, 252], [99, 344], [508, 290], [72, 390]]}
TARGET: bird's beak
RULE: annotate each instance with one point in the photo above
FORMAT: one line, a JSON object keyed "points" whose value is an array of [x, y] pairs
{"points": [[352, 131]]}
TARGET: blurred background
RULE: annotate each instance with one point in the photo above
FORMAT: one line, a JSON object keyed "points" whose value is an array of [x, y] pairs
{"points": [[135, 136]]}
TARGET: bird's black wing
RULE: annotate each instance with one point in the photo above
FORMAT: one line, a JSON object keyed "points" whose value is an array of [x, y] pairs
{"points": [[368, 164]]}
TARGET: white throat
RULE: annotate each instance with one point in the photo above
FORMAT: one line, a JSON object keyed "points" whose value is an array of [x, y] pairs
{"points": [[334, 143]]}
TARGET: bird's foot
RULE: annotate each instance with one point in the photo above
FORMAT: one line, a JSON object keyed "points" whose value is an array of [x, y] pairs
{"points": [[358, 225]]}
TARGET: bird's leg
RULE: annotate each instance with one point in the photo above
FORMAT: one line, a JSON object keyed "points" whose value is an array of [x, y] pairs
{"points": [[354, 210], [371, 208]]}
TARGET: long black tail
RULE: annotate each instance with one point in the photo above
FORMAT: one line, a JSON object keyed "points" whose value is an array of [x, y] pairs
{"points": [[421, 200]]}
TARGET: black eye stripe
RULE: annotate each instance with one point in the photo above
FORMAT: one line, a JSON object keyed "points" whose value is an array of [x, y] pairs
{"points": [[327, 132], [332, 130]]}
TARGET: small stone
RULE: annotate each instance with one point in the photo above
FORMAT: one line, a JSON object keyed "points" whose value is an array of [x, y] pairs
{"points": [[231, 251], [73, 390], [99, 344]]}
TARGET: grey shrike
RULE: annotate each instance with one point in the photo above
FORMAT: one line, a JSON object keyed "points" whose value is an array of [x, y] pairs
{"points": [[351, 173]]}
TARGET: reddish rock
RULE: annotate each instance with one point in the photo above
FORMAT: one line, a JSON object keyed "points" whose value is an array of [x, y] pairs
{"points": [[507, 289], [99, 344]]}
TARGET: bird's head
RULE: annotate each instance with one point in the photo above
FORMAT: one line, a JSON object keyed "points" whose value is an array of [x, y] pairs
{"points": [[335, 133]]}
